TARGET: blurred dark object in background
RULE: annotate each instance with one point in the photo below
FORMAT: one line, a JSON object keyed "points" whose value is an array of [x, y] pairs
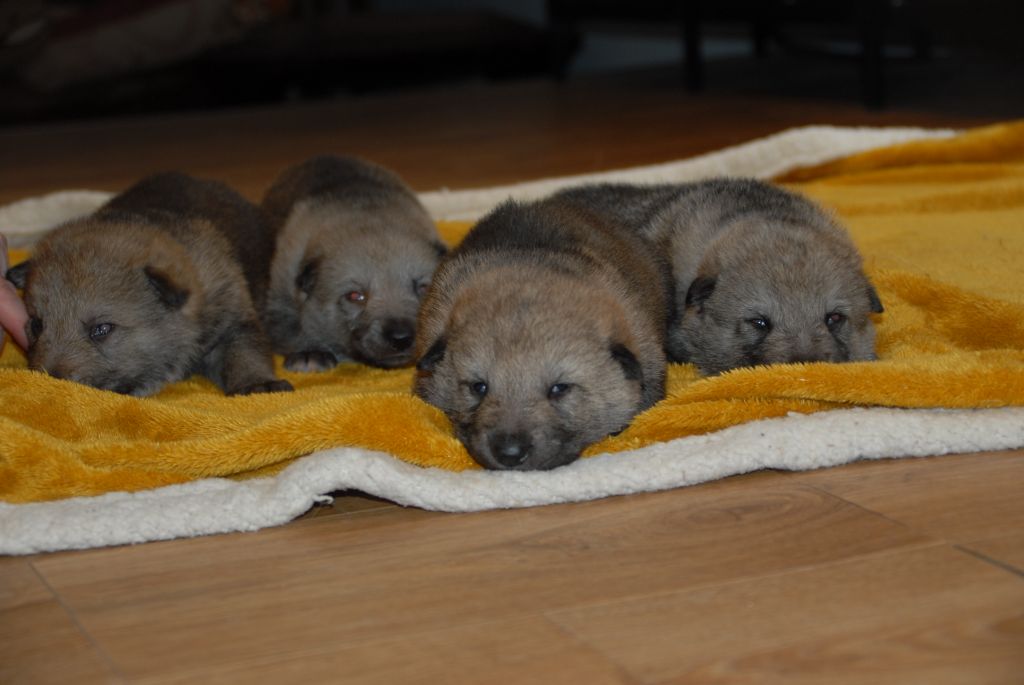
{"points": [[867, 33], [82, 58], [72, 59]]}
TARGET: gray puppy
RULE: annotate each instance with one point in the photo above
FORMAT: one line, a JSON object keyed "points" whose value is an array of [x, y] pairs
{"points": [[762, 275], [541, 333], [158, 284], [354, 253]]}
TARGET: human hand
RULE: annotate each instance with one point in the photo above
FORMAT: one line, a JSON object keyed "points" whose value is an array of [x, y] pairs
{"points": [[12, 310]]}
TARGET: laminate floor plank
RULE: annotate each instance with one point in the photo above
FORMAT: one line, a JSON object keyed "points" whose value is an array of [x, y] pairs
{"points": [[526, 651], [20, 584], [39, 641], [1007, 550], [389, 572], [931, 615], [958, 498]]}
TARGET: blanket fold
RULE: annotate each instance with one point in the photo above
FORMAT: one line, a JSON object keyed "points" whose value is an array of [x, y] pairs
{"points": [[941, 225]]}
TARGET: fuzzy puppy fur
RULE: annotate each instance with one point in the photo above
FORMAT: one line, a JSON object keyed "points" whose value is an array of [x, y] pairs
{"points": [[762, 275], [542, 333], [355, 252], [152, 288]]}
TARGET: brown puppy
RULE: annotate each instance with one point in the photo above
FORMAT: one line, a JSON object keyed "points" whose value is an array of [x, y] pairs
{"points": [[152, 288], [355, 252], [762, 275], [542, 333]]}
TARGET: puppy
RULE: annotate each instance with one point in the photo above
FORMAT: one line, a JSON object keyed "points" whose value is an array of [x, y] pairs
{"points": [[542, 333], [152, 288], [354, 255], [762, 275]]}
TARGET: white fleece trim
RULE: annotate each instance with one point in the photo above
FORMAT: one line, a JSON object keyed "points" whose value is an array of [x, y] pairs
{"points": [[761, 158], [798, 442]]}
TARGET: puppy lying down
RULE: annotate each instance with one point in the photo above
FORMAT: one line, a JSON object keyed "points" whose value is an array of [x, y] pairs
{"points": [[542, 332], [156, 285], [354, 254], [761, 275]]}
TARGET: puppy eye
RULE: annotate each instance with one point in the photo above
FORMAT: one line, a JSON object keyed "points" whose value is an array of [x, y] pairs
{"points": [[356, 296], [420, 288], [833, 319], [761, 323], [558, 391], [479, 389], [101, 331], [34, 327]]}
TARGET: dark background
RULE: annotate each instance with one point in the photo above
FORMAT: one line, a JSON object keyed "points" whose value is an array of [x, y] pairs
{"points": [[78, 59]]}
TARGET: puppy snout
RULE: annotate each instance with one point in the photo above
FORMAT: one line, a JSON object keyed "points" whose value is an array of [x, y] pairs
{"points": [[805, 348], [805, 353], [399, 333], [510, 449], [56, 370], [805, 357]]}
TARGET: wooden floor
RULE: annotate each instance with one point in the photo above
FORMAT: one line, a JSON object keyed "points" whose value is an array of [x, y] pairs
{"points": [[903, 572]]}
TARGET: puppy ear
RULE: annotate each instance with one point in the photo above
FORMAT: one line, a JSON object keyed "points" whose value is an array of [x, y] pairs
{"points": [[699, 291], [440, 248], [307, 276], [627, 360], [876, 303], [167, 291], [432, 357], [19, 274]]}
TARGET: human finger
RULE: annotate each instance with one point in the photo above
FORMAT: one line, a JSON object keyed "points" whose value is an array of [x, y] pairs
{"points": [[12, 309]]}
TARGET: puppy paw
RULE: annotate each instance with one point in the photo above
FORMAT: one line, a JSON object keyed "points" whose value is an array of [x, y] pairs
{"points": [[311, 360], [266, 386]]}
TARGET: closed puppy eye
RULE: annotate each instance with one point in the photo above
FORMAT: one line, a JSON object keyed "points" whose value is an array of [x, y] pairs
{"points": [[356, 296], [761, 323], [101, 331], [558, 391], [833, 319]]}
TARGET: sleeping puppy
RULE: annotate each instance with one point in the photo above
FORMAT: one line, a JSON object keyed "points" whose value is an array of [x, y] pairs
{"points": [[151, 289], [542, 333], [354, 255], [762, 275]]}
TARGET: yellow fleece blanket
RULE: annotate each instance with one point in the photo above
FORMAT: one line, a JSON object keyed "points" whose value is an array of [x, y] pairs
{"points": [[941, 225]]}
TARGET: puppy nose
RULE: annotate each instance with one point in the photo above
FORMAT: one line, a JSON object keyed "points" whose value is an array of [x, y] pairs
{"points": [[399, 333], [510, 449]]}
